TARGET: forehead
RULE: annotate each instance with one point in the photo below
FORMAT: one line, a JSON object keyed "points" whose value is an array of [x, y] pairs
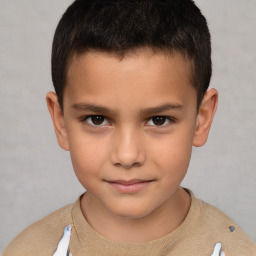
{"points": [[143, 75]]}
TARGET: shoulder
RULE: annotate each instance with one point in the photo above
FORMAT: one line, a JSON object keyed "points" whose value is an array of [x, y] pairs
{"points": [[215, 225], [41, 237]]}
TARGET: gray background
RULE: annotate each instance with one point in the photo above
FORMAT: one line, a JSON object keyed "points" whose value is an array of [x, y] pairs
{"points": [[36, 175]]}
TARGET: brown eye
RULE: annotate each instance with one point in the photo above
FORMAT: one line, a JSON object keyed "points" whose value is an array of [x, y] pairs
{"points": [[97, 120], [159, 120]]}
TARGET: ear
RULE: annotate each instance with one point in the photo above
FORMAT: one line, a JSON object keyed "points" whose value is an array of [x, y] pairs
{"points": [[57, 119], [205, 116]]}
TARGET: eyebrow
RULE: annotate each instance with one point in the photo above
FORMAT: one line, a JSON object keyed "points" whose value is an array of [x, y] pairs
{"points": [[147, 111], [91, 107], [161, 108]]}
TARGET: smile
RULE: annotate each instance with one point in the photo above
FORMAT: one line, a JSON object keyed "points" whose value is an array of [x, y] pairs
{"points": [[129, 186]]}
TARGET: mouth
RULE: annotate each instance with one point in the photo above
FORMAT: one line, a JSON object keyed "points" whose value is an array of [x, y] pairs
{"points": [[129, 186]]}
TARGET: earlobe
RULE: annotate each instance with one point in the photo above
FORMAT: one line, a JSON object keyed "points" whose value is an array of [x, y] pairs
{"points": [[57, 119], [205, 116]]}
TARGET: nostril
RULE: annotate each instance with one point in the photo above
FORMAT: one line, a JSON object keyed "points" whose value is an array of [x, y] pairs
{"points": [[126, 150], [128, 165]]}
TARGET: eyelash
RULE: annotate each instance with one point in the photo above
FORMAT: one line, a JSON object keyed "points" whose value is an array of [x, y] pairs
{"points": [[166, 118], [85, 118]]}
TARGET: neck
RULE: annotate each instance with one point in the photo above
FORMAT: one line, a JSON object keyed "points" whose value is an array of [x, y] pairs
{"points": [[137, 230]]}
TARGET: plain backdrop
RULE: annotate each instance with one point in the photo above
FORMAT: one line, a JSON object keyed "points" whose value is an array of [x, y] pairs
{"points": [[36, 176]]}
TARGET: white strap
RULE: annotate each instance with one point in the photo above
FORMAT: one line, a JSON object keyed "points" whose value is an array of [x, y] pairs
{"points": [[218, 250], [63, 246]]}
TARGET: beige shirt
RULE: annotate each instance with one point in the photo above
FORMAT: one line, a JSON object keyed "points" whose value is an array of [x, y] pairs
{"points": [[202, 228]]}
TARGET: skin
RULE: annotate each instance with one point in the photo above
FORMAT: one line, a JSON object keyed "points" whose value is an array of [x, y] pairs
{"points": [[130, 162]]}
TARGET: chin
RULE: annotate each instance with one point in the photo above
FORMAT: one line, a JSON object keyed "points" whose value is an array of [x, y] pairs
{"points": [[131, 212]]}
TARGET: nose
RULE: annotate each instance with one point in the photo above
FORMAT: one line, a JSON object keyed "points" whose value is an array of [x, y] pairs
{"points": [[127, 149]]}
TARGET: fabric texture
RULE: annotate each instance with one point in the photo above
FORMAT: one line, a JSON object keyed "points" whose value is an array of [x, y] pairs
{"points": [[203, 227]]}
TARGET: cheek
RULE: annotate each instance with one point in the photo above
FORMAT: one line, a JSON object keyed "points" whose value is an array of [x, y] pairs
{"points": [[87, 156], [174, 168], [173, 154]]}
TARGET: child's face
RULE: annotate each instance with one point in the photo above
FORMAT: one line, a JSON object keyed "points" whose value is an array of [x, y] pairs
{"points": [[129, 125]]}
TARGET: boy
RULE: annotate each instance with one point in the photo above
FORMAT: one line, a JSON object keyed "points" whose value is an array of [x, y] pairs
{"points": [[131, 80]]}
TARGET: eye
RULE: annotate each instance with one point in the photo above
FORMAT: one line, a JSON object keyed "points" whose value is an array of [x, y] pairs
{"points": [[160, 121], [95, 120]]}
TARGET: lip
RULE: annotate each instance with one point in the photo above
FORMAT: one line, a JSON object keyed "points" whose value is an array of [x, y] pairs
{"points": [[129, 186]]}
